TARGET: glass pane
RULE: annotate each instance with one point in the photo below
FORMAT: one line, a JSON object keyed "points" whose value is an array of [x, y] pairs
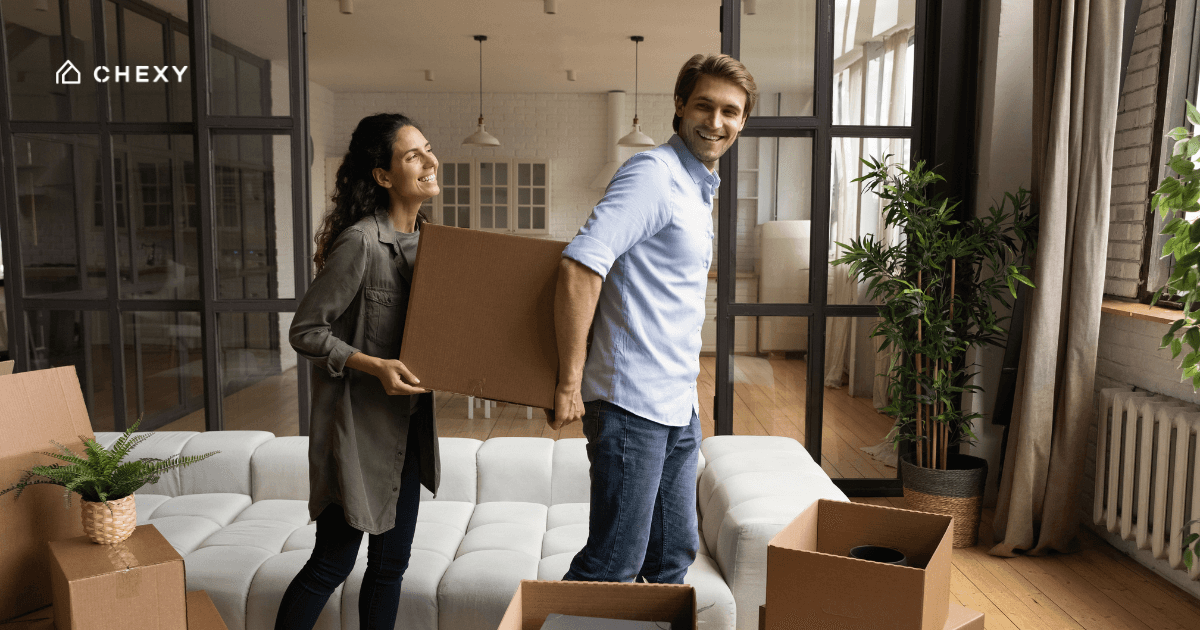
{"points": [[485, 173], [249, 55], [854, 436], [502, 218], [464, 217], [523, 174], [485, 217], [112, 51], [464, 174], [773, 218], [253, 199], [485, 194], [539, 196], [158, 245], [258, 372], [539, 218], [143, 49], [164, 375], [78, 338], [502, 173], [60, 215], [769, 386], [523, 195], [502, 196], [777, 45], [523, 218], [448, 196], [539, 174], [853, 211], [873, 62], [41, 85]]}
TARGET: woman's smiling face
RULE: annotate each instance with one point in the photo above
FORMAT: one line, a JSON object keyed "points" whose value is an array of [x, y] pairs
{"points": [[413, 171]]}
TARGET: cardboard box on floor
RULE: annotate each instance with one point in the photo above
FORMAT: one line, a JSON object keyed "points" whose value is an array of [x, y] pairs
{"points": [[813, 583], [35, 408], [137, 584], [534, 600], [958, 618], [6, 367], [481, 315], [201, 615]]}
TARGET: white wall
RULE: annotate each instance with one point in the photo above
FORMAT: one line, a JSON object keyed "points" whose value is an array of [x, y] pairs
{"points": [[1005, 149], [568, 129]]}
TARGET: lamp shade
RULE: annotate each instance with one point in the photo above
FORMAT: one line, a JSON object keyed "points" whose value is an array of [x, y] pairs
{"points": [[481, 138], [636, 138]]}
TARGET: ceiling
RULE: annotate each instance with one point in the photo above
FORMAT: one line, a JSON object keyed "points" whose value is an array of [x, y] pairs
{"points": [[387, 46]]}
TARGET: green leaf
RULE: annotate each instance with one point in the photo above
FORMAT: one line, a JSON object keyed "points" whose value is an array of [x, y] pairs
{"points": [[1193, 115], [1178, 133], [1176, 347]]}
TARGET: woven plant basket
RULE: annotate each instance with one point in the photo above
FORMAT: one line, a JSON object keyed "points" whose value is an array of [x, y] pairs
{"points": [[956, 492], [109, 527]]}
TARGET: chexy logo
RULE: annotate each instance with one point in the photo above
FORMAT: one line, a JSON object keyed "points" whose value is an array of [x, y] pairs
{"points": [[68, 74]]}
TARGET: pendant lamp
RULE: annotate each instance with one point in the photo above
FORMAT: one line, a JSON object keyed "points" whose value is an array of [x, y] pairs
{"points": [[636, 138], [481, 138]]}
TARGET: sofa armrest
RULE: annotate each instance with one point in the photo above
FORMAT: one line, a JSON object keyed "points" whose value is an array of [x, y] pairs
{"points": [[752, 487]]}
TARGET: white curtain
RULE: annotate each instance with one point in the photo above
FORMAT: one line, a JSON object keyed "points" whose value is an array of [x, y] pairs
{"points": [[872, 90]]}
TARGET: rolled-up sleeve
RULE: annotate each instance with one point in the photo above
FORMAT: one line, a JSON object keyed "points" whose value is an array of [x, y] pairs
{"points": [[632, 210], [329, 295]]}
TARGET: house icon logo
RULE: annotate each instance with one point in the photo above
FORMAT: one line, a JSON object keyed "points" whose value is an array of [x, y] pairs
{"points": [[68, 74]]}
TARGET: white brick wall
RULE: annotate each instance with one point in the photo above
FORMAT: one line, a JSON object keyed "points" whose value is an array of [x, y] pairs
{"points": [[568, 129], [1131, 183]]}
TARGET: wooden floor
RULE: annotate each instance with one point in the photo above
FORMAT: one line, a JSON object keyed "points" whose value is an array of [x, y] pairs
{"points": [[1098, 588]]}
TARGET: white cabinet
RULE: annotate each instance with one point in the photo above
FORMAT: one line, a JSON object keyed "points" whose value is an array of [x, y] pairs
{"points": [[745, 329]]}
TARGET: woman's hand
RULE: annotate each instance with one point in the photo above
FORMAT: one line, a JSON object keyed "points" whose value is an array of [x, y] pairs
{"points": [[395, 377]]}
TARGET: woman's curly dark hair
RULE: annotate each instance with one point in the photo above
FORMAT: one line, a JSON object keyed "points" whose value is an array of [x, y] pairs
{"points": [[357, 194]]}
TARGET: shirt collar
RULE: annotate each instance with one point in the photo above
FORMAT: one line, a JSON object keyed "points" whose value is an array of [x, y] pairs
{"points": [[385, 227], [708, 180]]}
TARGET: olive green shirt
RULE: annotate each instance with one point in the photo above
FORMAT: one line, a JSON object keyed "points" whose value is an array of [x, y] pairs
{"points": [[358, 434]]}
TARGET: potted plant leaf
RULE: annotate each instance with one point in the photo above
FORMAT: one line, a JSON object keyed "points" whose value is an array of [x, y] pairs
{"points": [[104, 482], [939, 287]]}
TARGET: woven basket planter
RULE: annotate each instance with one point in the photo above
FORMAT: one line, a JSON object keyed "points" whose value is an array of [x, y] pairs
{"points": [[107, 526], [956, 492]]}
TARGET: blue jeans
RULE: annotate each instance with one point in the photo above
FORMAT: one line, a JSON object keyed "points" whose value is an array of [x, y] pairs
{"points": [[643, 512], [336, 551]]}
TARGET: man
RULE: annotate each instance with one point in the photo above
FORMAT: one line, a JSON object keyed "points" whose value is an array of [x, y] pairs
{"points": [[640, 267]]}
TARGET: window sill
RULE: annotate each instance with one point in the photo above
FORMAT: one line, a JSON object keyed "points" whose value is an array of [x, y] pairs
{"points": [[1137, 310]]}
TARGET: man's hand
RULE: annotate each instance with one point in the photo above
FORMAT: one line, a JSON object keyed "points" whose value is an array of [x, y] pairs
{"points": [[568, 406], [395, 377]]}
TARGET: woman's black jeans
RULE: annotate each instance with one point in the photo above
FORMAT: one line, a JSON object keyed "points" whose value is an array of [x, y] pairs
{"points": [[336, 550]]}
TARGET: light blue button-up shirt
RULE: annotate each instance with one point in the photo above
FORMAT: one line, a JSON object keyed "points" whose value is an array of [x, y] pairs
{"points": [[650, 239]]}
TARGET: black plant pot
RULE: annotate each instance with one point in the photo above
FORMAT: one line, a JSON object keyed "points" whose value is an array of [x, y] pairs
{"points": [[956, 491], [875, 553]]}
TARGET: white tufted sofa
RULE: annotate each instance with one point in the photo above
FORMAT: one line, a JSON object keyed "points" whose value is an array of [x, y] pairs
{"points": [[508, 509]]}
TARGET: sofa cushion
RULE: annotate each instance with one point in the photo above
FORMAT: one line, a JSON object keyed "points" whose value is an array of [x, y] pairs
{"points": [[185, 533], [282, 510], [266, 535], [565, 539], [567, 514], [714, 600], [228, 470], [456, 514], [161, 445], [477, 587], [220, 508], [570, 481], [145, 504], [459, 471], [530, 514], [279, 469], [516, 469], [267, 587], [227, 572]]}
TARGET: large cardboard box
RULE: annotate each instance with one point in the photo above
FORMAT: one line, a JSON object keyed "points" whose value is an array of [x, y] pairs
{"points": [[959, 618], [6, 367], [137, 584], [534, 600], [813, 583], [481, 315], [35, 408]]}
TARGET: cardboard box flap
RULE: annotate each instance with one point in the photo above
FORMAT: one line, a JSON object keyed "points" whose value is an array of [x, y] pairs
{"points": [[35, 408], [534, 600], [80, 558], [480, 318], [881, 586], [843, 526]]}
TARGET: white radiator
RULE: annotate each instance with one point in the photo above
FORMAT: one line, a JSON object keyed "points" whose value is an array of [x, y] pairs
{"points": [[1147, 483]]}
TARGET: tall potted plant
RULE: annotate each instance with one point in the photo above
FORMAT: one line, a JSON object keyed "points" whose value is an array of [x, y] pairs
{"points": [[939, 288], [104, 482]]}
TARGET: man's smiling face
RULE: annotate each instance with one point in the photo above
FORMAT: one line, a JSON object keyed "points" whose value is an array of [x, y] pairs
{"points": [[712, 118]]}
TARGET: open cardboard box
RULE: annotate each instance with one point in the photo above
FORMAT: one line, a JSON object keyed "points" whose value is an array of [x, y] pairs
{"points": [[534, 600], [35, 408], [813, 583], [480, 316], [959, 618]]}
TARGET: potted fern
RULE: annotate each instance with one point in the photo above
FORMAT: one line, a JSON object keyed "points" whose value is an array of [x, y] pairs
{"points": [[939, 287], [104, 482]]}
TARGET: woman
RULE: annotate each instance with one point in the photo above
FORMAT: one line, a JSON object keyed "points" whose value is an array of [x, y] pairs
{"points": [[373, 440]]}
